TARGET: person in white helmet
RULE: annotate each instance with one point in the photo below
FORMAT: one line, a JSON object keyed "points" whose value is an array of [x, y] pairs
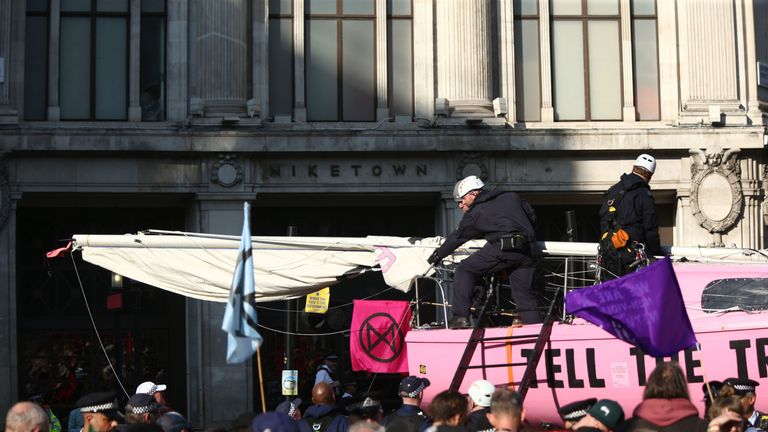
{"points": [[628, 218], [480, 393], [507, 222]]}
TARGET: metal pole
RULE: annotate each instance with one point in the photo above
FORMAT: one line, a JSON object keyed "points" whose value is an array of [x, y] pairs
{"points": [[290, 306]]}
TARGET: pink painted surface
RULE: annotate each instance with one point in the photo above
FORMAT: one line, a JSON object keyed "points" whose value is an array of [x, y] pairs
{"points": [[583, 361]]}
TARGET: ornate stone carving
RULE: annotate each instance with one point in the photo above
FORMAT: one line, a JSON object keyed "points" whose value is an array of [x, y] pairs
{"points": [[472, 164], [717, 198], [227, 171]]}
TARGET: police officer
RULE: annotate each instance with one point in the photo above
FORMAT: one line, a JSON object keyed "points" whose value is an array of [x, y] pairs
{"points": [[745, 389], [99, 412], [575, 411], [506, 221], [409, 417], [628, 217]]}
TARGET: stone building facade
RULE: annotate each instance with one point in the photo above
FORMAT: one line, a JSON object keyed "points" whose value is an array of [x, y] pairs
{"points": [[173, 112]]}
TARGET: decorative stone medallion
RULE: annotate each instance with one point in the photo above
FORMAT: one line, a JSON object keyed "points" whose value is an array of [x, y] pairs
{"points": [[472, 164], [227, 171], [717, 197]]}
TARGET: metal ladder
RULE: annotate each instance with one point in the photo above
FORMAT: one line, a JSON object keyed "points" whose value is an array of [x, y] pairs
{"points": [[478, 336]]}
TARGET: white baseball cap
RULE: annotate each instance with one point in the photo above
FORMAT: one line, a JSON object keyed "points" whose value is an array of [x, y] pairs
{"points": [[646, 161], [150, 388], [481, 391]]}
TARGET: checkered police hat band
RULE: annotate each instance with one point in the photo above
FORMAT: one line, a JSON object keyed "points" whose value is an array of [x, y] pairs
{"points": [[143, 409], [744, 387], [575, 415], [415, 392], [292, 411], [98, 408]]}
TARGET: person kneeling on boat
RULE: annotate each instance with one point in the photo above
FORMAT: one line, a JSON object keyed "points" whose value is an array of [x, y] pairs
{"points": [[507, 222]]}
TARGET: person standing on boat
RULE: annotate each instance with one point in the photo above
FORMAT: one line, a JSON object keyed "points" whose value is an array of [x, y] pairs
{"points": [[507, 222], [628, 220]]}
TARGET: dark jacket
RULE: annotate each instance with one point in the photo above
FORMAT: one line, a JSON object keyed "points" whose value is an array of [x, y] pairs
{"points": [[667, 415], [493, 212], [407, 418], [478, 420], [339, 422], [636, 212]]}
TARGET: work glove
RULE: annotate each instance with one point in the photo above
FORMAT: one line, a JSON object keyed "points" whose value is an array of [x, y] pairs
{"points": [[434, 258]]}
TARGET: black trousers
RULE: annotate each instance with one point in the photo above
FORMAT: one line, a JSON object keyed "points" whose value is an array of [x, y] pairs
{"points": [[488, 260]]}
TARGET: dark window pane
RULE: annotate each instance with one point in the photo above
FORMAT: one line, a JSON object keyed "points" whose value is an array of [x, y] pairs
{"points": [[646, 71], [357, 7], [359, 88], [153, 6], [400, 47], [525, 7], [568, 70], [280, 7], [527, 80], [604, 70], [399, 7], [37, 5], [602, 7], [75, 5], [321, 7], [644, 7], [152, 74], [281, 66], [35, 68], [112, 5], [75, 71], [321, 74], [111, 68]]}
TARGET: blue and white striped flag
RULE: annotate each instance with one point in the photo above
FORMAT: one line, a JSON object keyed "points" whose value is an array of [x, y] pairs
{"points": [[240, 316]]}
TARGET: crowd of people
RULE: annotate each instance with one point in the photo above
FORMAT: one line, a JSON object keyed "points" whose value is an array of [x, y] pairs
{"points": [[666, 406]]}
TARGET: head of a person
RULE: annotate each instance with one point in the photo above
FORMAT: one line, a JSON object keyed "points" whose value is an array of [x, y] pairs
{"points": [[143, 427], [606, 413], [711, 390], [575, 411], [27, 417], [724, 404], [156, 390], [99, 411], [273, 422], [243, 422], [745, 389], [141, 408], [291, 408], [174, 422], [480, 393], [667, 381], [368, 410], [366, 427], [332, 361], [466, 190], [645, 166], [322, 394], [506, 410], [448, 407], [412, 389]]}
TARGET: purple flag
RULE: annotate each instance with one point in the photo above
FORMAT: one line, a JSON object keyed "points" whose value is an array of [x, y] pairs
{"points": [[644, 308]]}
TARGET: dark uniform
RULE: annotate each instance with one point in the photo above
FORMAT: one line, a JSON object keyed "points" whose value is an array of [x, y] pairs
{"points": [[493, 214], [575, 411], [635, 213], [746, 387]]}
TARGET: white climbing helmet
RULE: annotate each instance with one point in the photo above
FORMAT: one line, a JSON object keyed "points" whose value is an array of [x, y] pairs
{"points": [[481, 391], [646, 161], [466, 185]]}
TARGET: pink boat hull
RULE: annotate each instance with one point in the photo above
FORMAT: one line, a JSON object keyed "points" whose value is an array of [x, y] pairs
{"points": [[583, 361]]}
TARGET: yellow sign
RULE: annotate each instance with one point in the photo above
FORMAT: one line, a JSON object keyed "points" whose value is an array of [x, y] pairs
{"points": [[317, 302]]}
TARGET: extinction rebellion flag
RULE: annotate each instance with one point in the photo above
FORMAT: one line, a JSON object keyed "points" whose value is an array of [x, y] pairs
{"points": [[377, 339]]}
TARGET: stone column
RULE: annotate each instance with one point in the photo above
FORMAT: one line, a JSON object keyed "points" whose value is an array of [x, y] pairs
{"points": [[628, 111], [547, 110], [134, 54], [8, 347], [464, 74], [178, 63], [7, 113], [217, 391], [222, 47]]}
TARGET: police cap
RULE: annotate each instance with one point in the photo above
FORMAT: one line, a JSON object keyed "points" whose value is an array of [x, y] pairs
{"points": [[574, 411], [743, 386], [99, 402]]}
